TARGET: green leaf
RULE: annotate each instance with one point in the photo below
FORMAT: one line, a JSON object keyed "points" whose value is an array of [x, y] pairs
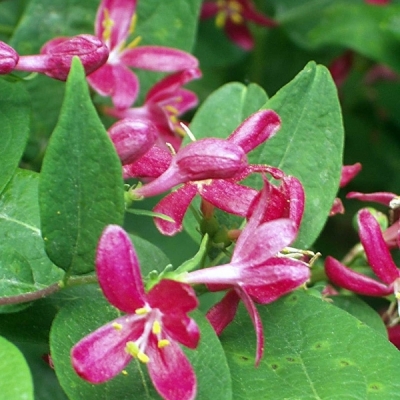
{"points": [[24, 265], [81, 187], [78, 319], [14, 122], [313, 350], [309, 144], [16, 380]]}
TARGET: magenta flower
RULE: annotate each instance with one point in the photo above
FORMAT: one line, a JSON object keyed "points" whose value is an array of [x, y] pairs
{"points": [[115, 21], [56, 56], [164, 103], [8, 58], [233, 16], [154, 324], [257, 272], [212, 167], [378, 257]]}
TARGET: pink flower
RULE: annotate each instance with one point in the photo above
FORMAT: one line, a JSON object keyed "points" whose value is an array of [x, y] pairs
{"points": [[378, 2], [341, 66], [56, 56], [8, 58], [115, 21], [212, 167], [257, 272], [164, 103], [233, 16], [153, 325], [378, 257]]}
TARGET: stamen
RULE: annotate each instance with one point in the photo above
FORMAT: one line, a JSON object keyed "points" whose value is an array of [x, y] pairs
{"points": [[142, 311], [170, 148], [172, 109], [134, 42], [236, 18], [107, 23], [123, 372], [132, 26], [162, 343], [188, 132], [220, 19], [117, 326], [180, 131], [156, 328], [133, 349]]}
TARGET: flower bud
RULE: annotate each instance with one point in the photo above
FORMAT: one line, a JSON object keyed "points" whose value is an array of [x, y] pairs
{"points": [[92, 52], [211, 158], [8, 58], [132, 138]]}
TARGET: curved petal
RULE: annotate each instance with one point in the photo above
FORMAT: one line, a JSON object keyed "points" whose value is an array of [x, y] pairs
{"points": [[182, 329], [228, 195], [120, 13], [118, 270], [174, 205], [348, 279], [158, 58], [294, 192], [256, 129], [376, 249], [378, 197], [250, 14], [171, 372], [223, 313], [348, 173], [102, 80], [239, 34], [275, 278], [101, 355], [255, 317]]}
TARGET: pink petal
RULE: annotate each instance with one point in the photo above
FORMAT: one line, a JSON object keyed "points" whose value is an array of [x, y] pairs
{"points": [[118, 271], [120, 12], [337, 207], [174, 205], [255, 317], [101, 355], [376, 249], [182, 329], [256, 129], [276, 277], [116, 81], [267, 240], [239, 34], [378, 197], [223, 313], [171, 372], [340, 68], [208, 9], [228, 195], [348, 279], [157, 58], [348, 173], [172, 297], [295, 196]]}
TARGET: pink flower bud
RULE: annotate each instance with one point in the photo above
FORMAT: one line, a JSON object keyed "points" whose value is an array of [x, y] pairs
{"points": [[132, 138], [211, 159], [92, 52], [8, 58]]}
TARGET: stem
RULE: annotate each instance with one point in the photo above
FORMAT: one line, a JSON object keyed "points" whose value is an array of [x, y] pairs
{"points": [[353, 253], [39, 294]]}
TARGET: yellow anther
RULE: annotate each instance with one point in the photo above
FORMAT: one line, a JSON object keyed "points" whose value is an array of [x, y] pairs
{"points": [[221, 4], [397, 295], [172, 109], [132, 26], [220, 19], [236, 18], [132, 349], [143, 357], [235, 6], [117, 326], [107, 23], [162, 343], [173, 119], [123, 372], [142, 311], [156, 328], [134, 42], [180, 131]]}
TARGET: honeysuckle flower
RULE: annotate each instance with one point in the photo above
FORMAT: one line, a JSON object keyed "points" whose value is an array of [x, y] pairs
{"points": [[56, 56], [341, 66], [164, 103], [378, 2], [153, 325], [132, 138], [115, 22], [257, 271], [233, 16], [212, 167], [8, 58], [379, 258]]}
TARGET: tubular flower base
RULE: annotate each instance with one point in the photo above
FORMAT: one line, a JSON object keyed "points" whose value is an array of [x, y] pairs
{"points": [[115, 21], [154, 324], [378, 257], [211, 167], [256, 273], [233, 16]]}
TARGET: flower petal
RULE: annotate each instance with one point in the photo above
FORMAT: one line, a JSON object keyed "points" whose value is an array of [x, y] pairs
{"points": [[376, 249], [239, 34], [256, 129], [118, 271], [346, 278], [101, 355], [175, 206], [182, 329], [223, 313], [158, 58], [209, 9], [348, 173], [171, 372], [378, 197]]}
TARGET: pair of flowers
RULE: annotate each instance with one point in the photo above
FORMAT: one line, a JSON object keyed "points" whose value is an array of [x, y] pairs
{"points": [[155, 322]]}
